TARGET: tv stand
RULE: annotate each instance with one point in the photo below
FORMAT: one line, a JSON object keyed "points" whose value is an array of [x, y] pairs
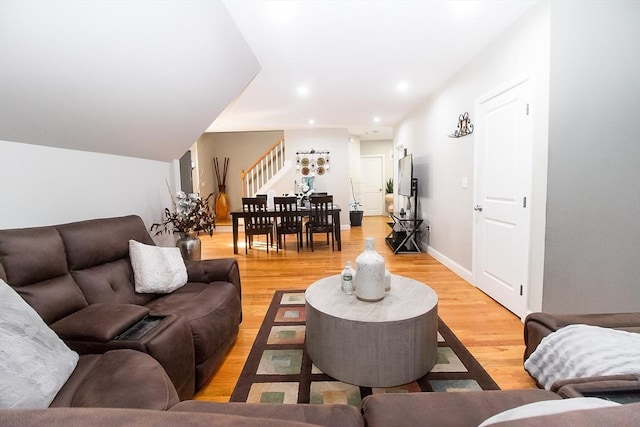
{"points": [[404, 229]]}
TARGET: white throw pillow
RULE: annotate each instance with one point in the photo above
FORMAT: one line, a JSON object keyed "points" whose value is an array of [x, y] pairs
{"points": [[34, 362], [548, 407], [156, 270]]}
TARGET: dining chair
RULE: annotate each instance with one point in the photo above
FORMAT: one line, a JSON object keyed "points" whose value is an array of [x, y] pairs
{"points": [[320, 219], [290, 220], [257, 221]]}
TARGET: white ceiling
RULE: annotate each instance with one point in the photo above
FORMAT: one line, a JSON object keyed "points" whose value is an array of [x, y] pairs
{"points": [[146, 78], [351, 55]]}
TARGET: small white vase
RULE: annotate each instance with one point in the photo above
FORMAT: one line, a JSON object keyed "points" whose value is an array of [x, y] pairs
{"points": [[370, 273]]}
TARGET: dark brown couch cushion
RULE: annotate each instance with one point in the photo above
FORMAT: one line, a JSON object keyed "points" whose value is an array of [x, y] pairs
{"points": [[99, 241], [35, 265], [325, 415], [118, 379], [211, 310], [129, 417]]}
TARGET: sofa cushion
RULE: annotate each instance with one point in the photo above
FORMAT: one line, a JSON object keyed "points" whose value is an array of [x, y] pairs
{"points": [[99, 322], [212, 311], [118, 379], [110, 283], [325, 415], [547, 408], [99, 241], [157, 269], [34, 263], [32, 255], [34, 362], [100, 417]]}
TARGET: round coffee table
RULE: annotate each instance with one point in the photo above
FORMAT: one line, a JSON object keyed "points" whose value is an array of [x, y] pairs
{"points": [[372, 344]]}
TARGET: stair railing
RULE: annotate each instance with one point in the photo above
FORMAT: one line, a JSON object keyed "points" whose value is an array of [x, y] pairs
{"points": [[256, 176]]}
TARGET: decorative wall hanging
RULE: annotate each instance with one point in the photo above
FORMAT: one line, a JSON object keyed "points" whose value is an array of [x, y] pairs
{"points": [[464, 127], [312, 162]]}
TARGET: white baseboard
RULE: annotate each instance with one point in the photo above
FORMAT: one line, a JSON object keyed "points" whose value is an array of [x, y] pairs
{"points": [[452, 265]]}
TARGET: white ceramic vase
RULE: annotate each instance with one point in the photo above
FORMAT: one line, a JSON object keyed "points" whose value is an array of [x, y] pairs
{"points": [[370, 273]]}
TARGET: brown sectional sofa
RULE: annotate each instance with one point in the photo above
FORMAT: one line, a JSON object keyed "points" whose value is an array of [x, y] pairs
{"points": [[79, 279], [419, 409]]}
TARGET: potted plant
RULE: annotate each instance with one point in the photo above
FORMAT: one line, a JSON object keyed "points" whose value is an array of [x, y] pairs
{"points": [[190, 215], [388, 197], [355, 209]]}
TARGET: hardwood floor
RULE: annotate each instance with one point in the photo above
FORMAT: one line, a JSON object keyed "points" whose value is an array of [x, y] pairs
{"points": [[490, 332]]}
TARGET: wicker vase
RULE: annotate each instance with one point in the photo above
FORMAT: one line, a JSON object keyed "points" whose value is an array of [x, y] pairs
{"points": [[222, 203]]}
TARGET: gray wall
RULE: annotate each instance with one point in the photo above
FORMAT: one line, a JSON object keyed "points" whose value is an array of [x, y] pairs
{"points": [[592, 253], [242, 149]]}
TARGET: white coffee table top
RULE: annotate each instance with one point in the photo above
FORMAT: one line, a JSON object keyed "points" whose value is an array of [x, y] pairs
{"points": [[407, 299]]}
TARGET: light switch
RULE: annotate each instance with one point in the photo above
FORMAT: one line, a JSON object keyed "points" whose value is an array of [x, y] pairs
{"points": [[465, 182]]}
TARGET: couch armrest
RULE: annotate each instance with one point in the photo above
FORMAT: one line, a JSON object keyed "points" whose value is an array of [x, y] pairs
{"points": [[99, 322], [215, 270], [539, 325], [575, 386]]}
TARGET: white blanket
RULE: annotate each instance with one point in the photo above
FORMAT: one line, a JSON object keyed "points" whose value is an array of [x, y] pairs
{"points": [[579, 351]]}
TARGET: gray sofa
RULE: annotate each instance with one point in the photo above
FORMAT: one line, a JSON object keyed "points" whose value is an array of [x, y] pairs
{"points": [[79, 279]]}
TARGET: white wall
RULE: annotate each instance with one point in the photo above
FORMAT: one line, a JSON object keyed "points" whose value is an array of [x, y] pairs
{"points": [[441, 163], [336, 181], [45, 186], [592, 259]]}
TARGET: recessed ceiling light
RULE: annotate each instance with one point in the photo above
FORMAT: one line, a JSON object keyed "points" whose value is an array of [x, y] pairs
{"points": [[311, 121], [303, 90], [402, 86], [376, 119]]}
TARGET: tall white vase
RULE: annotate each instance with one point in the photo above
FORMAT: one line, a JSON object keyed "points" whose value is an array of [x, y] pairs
{"points": [[370, 273]]}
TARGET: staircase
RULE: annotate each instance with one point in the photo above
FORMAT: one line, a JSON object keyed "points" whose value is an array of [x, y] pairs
{"points": [[265, 171]]}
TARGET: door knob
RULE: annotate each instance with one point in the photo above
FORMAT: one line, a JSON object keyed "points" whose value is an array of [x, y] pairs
{"points": [[477, 208]]}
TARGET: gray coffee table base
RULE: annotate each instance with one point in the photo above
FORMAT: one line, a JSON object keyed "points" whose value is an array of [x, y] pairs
{"points": [[372, 353]]}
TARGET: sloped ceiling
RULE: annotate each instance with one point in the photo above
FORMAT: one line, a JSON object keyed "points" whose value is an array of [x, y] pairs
{"points": [[136, 78]]}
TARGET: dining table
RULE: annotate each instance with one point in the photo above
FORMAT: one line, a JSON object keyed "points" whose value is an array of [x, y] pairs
{"points": [[275, 214]]}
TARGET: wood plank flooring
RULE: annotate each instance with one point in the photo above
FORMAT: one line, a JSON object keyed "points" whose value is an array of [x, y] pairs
{"points": [[491, 333]]}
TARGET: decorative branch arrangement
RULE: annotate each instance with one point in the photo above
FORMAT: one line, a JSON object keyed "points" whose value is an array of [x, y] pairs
{"points": [[222, 179], [190, 213], [464, 126]]}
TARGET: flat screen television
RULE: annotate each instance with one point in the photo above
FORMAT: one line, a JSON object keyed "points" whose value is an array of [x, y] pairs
{"points": [[405, 176]]}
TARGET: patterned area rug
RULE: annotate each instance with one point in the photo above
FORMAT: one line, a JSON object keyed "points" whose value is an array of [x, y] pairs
{"points": [[279, 369]]}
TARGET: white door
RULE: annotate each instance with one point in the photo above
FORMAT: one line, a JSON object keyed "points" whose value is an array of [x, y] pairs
{"points": [[372, 180], [503, 181]]}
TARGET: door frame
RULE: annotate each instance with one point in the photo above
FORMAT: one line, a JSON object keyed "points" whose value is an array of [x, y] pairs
{"points": [[530, 202]]}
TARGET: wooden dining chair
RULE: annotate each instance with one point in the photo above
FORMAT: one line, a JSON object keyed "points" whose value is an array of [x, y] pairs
{"points": [[290, 221], [256, 221], [320, 219]]}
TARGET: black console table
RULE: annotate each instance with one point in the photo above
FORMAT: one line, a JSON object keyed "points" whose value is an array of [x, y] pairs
{"points": [[404, 229]]}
